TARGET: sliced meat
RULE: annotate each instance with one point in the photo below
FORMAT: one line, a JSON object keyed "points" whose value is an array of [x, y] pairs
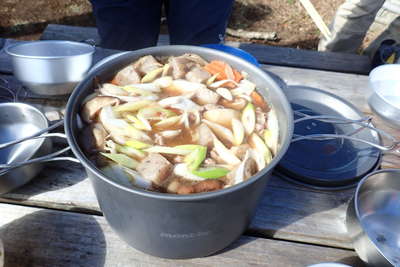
{"points": [[93, 138], [261, 120], [195, 58], [205, 96], [179, 67], [155, 168], [203, 186], [126, 76], [92, 108], [240, 151], [197, 75], [146, 64], [205, 136]]}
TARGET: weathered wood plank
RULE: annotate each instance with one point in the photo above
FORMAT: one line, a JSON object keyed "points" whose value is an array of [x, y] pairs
{"points": [[265, 54], [76, 33], [38, 237], [308, 59]]}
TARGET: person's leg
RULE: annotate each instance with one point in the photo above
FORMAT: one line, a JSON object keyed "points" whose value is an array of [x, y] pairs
{"points": [[127, 24], [196, 22], [390, 18], [350, 24]]}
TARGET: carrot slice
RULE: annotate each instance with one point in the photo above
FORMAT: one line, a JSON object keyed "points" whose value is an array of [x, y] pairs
{"points": [[217, 66], [258, 100]]}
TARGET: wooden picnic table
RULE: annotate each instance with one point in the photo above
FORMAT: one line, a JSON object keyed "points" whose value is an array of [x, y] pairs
{"points": [[55, 220]]}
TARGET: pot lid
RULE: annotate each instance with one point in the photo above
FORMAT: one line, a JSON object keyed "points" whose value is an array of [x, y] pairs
{"points": [[335, 163]]}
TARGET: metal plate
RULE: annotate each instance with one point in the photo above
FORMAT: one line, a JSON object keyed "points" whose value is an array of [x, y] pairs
{"points": [[336, 163]]}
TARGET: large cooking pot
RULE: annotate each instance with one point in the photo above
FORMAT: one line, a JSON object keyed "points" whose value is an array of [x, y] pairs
{"points": [[178, 226]]}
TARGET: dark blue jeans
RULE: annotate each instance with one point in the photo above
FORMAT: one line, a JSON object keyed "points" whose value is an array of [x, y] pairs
{"points": [[135, 24]]}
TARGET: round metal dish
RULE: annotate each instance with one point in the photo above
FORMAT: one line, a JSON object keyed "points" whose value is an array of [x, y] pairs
{"points": [[385, 110], [373, 218], [327, 164], [50, 67]]}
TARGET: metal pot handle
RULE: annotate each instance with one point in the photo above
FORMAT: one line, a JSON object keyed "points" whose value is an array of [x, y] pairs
{"points": [[33, 136], [46, 158], [393, 147]]}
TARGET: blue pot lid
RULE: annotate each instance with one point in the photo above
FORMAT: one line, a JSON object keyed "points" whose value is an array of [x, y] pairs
{"points": [[334, 163], [234, 51]]}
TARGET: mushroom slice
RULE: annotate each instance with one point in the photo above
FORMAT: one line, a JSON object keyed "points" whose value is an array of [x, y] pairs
{"points": [[92, 107]]}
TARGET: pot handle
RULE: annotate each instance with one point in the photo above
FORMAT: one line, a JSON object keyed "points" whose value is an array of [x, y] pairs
{"points": [[47, 158], [393, 147], [33, 136]]}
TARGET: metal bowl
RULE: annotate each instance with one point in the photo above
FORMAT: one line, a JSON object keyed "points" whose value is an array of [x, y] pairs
{"points": [[373, 218], [17, 121], [50, 67], [385, 100]]}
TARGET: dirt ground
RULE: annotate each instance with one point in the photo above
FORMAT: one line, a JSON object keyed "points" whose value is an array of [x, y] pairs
{"points": [[287, 18]]}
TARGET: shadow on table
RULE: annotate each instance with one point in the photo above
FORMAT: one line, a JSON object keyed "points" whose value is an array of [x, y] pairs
{"points": [[352, 261], [53, 238], [54, 176]]}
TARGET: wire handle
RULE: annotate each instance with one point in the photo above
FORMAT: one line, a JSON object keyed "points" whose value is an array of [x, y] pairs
{"points": [[393, 147]]}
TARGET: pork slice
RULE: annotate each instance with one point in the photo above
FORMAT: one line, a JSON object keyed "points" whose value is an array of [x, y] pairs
{"points": [[93, 138], [180, 66], [155, 168], [197, 75], [205, 96], [195, 58], [126, 76], [92, 108], [205, 136], [146, 64]]}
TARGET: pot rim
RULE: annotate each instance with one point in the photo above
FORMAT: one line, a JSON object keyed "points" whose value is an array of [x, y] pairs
{"points": [[8, 49], [355, 202], [166, 196]]}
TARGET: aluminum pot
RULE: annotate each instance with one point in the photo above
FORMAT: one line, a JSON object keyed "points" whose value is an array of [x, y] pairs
{"points": [[178, 226], [373, 218], [50, 67]]}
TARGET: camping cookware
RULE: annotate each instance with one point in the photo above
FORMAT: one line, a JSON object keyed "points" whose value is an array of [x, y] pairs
{"points": [[50, 67], [20, 151], [373, 218], [177, 226], [385, 99]]}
